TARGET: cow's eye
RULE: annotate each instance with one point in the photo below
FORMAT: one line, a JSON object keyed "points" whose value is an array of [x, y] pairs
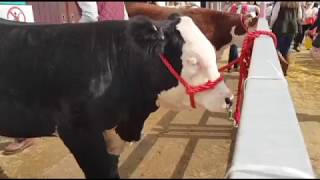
{"points": [[154, 28]]}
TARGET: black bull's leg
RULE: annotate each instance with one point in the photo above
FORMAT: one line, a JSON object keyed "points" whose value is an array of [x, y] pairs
{"points": [[89, 150]]}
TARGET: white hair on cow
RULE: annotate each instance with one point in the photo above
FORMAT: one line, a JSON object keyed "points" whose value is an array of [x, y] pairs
{"points": [[197, 48], [199, 66], [237, 39]]}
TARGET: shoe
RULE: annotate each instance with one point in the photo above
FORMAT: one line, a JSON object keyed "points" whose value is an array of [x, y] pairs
{"points": [[296, 49], [284, 63], [18, 146]]}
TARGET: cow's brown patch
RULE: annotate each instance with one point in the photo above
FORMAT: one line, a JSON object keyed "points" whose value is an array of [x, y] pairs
{"points": [[215, 25]]}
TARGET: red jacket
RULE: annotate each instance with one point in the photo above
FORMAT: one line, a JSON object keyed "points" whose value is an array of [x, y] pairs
{"points": [[234, 8]]}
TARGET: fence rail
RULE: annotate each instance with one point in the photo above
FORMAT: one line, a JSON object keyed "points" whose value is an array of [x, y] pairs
{"points": [[269, 141]]}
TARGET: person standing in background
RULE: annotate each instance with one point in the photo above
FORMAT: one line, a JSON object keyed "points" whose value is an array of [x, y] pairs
{"points": [[203, 4], [316, 23], [226, 6], [112, 10], [308, 17], [89, 11], [315, 9], [242, 8], [269, 11], [92, 11], [315, 50], [254, 9], [233, 51], [284, 24]]}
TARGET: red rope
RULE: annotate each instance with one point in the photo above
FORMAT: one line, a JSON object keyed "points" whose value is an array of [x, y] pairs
{"points": [[244, 62], [190, 90]]}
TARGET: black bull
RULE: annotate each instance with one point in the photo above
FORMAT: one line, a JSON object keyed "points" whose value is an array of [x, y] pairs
{"points": [[81, 79]]}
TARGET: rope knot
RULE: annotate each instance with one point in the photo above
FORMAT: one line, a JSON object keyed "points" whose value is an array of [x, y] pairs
{"points": [[190, 90]]}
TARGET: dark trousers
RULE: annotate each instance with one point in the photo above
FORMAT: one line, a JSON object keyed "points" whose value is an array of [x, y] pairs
{"points": [[233, 54], [203, 4], [299, 37], [284, 43]]}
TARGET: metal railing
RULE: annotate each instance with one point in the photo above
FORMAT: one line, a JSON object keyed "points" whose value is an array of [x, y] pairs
{"points": [[269, 142]]}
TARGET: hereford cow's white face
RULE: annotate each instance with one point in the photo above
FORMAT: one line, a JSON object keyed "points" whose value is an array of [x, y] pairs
{"points": [[199, 66]]}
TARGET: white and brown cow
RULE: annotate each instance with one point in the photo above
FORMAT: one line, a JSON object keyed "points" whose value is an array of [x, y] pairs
{"points": [[221, 28], [85, 79]]}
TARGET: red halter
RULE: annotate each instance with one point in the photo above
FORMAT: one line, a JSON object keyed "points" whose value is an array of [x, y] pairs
{"points": [[191, 90]]}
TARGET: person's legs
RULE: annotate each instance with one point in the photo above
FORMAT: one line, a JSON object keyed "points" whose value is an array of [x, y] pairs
{"points": [[236, 57], [284, 43], [233, 55], [203, 4], [298, 38], [304, 28]]}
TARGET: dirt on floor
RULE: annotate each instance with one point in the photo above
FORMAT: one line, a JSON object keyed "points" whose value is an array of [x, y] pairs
{"points": [[304, 85], [189, 144]]}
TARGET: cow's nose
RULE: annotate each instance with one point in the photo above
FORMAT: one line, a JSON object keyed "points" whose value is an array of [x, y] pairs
{"points": [[228, 101]]}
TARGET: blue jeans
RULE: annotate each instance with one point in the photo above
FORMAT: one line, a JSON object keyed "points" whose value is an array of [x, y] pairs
{"points": [[233, 54], [284, 43]]}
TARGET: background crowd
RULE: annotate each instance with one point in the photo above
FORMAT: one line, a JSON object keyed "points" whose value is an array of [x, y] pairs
{"points": [[296, 25]]}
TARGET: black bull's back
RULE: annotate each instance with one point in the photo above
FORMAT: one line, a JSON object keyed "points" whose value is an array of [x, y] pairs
{"points": [[47, 75]]}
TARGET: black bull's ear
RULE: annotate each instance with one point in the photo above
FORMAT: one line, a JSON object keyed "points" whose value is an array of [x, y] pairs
{"points": [[149, 35], [174, 16]]}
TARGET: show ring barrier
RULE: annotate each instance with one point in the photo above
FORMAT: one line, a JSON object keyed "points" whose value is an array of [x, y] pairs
{"points": [[269, 142]]}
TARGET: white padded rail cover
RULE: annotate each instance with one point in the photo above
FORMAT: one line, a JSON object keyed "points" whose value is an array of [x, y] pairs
{"points": [[269, 141]]}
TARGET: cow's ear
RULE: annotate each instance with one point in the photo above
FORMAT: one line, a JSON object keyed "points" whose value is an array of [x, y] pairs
{"points": [[173, 20], [174, 16], [253, 22], [145, 32], [250, 21], [137, 25], [142, 28]]}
